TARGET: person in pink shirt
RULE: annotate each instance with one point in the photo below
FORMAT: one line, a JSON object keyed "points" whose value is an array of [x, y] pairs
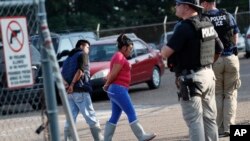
{"points": [[116, 86]]}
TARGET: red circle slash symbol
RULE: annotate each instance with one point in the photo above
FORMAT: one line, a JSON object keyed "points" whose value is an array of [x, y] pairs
{"points": [[15, 36]]}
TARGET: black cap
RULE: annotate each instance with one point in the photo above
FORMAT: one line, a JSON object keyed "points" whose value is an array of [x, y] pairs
{"points": [[194, 3]]}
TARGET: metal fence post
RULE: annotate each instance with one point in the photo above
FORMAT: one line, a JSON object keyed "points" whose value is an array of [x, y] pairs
{"points": [[57, 74], [50, 98], [165, 28], [98, 31], [235, 13], [49, 87]]}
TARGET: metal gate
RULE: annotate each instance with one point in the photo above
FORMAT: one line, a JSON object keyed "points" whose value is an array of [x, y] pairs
{"points": [[20, 108], [27, 110]]}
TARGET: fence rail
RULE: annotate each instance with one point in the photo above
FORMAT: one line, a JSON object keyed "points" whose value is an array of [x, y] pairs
{"points": [[152, 32], [20, 108], [24, 110]]}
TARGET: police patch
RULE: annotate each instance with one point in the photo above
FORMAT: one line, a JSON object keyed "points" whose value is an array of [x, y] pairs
{"points": [[208, 33], [218, 20]]}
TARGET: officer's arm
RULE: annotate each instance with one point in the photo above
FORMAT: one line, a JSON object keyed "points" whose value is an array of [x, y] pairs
{"points": [[235, 28], [166, 51], [216, 56], [218, 47], [235, 38]]}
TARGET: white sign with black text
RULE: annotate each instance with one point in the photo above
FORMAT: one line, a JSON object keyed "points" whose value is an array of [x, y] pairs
{"points": [[16, 51]]}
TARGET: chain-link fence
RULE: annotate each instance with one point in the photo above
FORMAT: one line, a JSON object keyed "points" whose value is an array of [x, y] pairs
{"points": [[149, 33], [21, 108], [20, 113], [152, 33], [27, 96], [243, 20]]}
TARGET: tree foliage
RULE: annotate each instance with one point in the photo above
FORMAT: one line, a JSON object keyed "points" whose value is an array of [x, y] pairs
{"points": [[86, 14]]}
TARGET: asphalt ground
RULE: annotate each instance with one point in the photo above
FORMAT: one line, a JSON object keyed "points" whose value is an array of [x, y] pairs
{"points": [[165, 121]]}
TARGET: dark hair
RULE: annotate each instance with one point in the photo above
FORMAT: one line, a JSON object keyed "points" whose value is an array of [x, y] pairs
{"points": [[80, 42], [123, 40], [207, 1], [74, 50]]}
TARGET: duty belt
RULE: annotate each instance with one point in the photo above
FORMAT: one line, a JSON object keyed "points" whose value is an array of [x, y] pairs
{"points": [[229, 51], [194, 70]]}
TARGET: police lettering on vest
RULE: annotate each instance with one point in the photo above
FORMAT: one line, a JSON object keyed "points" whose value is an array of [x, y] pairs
{"points": [[208, 32], [207, 35], [218, 20], [222, 26], [207, 47]]}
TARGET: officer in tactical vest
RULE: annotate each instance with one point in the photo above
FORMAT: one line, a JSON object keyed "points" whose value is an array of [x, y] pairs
{"points": [[193, 47], [226, 69]]}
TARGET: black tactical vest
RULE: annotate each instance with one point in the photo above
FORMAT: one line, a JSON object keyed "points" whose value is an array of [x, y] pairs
{"points": [[222, 26], [207, 34]]}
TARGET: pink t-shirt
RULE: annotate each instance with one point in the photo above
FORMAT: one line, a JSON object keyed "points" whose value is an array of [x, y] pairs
{"points": [[124, 77]]}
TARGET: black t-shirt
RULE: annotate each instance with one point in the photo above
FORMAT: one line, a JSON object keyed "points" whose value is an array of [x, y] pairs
{"points": [[186, 44]]}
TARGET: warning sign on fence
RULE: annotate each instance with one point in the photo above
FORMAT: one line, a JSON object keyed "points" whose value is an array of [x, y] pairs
{"points": [[16, 51]]}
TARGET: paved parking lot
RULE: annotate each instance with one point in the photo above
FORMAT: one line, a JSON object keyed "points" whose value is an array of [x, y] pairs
{"points": [[163, 118], [165, 121], [158, 111]]}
